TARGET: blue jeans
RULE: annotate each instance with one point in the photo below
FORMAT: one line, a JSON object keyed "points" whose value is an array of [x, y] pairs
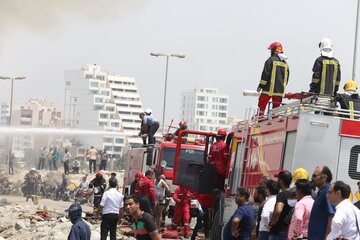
{"points": [[264, 235], [279, 236]]}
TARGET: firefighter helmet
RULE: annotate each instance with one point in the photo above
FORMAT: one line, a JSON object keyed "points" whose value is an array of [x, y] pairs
{"points": [[300, 173], [139, 175], [326, 47], [276, 47], [99, 174], [182, 123], [148, 111], [350, 85], [221, 131]]}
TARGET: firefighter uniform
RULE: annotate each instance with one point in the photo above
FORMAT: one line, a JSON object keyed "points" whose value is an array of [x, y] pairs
{"points": [[218, 155], [182, 197], [145, 190], [349, 102], [326, 76], [274, 79]]}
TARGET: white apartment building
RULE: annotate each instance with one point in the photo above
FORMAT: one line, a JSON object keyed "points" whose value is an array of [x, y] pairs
{"points": [[128, 104], [205, 109], [97, 100]]}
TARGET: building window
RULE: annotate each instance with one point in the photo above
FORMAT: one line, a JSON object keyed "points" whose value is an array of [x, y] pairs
{"points": [[200, 113], [105, 93], [100, 77], [202, 128], [104, 116], [222, 115], [222, 122], [94, 84], [135, 106], [119, 140], [123, 112], [200, 105], [116, 125], [98, 107], [99, 100], [223, 100], [200, 98], [108, 140], [117, 149], [222, 108]]}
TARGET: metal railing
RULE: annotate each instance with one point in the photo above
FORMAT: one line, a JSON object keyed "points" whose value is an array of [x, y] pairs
{"points": [[315, 104]]}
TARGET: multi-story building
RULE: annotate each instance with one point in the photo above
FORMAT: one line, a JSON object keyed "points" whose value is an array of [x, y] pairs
{"points": [[128, 104], [36, 113], [99, 101], [205, 109]]}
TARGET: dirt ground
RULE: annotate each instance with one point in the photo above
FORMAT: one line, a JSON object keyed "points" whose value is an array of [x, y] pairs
{"points": [[18, 219]]}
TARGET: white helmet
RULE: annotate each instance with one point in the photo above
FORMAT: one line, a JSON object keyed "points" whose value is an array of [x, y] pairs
{"points": [[326, 48], [148, 111]]}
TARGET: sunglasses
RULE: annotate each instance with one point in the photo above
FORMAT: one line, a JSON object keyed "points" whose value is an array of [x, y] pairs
{"points": [[315, 175]]}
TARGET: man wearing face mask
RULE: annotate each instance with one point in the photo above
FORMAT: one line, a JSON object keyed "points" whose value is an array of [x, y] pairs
{"points": [[79, 230], [278, 225]]}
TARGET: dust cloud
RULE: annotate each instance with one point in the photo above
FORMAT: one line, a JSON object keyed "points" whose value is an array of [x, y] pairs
{"points": [[45, 16]]}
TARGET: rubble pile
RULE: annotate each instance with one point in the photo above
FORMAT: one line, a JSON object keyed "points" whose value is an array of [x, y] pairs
{"points": [[28, 222]]}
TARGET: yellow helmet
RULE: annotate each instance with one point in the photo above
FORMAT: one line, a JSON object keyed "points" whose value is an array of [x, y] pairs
{"points": [[300, 173], [350, 85]]}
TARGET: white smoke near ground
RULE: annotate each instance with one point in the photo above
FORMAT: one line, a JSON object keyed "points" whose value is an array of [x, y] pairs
{"points": [[44, 16]]}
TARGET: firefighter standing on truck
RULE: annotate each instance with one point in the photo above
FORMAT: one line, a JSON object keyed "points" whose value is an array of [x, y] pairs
{"points": [[326, 71], [350, 99], [182, 197], [218, 156], [274, 78]]}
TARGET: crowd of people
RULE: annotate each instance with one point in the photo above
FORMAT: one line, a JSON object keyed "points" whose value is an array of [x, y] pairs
{"points": [[295, 207], [51, 158]]}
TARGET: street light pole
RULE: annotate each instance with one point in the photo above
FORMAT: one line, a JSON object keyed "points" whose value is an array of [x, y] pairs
{"points": [[10, 111], [156, 54]]}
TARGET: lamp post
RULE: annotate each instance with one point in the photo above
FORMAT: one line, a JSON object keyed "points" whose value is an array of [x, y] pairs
{"points": [[10, 111], [158, 54]]}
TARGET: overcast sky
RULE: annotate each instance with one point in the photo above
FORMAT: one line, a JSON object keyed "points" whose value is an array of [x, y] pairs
{"points": [[225, 43]]}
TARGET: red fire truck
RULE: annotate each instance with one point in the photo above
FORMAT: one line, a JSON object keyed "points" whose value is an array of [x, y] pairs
{"points": [[159, 157], [306, 133]]}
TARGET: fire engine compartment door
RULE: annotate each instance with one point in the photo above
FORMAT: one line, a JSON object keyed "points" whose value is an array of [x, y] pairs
{"points": [[193, 172]]}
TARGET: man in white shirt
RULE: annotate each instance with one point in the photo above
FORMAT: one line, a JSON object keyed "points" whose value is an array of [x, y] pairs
{"points": [[345, 223], [111, 206], [272, 190]]}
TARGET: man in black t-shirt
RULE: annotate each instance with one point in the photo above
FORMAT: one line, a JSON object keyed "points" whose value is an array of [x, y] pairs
{"points": [[278, 225], [143, 225]]}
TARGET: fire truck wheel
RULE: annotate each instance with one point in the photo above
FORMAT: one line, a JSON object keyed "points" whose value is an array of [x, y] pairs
{"points": [[216, 227]]}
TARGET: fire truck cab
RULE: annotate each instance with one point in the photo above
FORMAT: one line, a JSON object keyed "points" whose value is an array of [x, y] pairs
{"points": [[159, 157], [306, 133]]}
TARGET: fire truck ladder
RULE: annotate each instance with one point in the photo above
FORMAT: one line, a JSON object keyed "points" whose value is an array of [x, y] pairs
{"points": [[251, 114]]}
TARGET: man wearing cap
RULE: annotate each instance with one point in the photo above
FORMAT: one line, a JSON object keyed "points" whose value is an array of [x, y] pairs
{"points": [[278, 226], [79, 230], [326, 71]]}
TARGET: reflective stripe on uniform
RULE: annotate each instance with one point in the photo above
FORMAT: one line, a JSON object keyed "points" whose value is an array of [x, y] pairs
{"points": [[323, 74], [263, 82], [314, 80], [351, 109], [277, 64]]}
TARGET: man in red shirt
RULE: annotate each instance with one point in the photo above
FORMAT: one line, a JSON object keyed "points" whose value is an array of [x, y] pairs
{"points": [[218, 155], [145, 190], [182, 197]]}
